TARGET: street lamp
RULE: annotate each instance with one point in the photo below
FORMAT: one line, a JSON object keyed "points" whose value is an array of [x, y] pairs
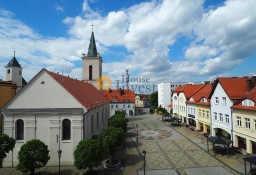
{"points": [[59, 151], [137, 139], [144, 158]]}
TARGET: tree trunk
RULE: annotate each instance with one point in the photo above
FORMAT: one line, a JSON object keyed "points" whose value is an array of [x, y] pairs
{"points": [[1, 163], [32, 171]]}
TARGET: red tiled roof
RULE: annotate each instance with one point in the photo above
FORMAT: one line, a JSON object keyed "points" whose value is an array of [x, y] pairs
{"points": [[83, 92], [188, 89], [251, 95], [169, 106], [126, 95], [234, 87], [250, 108]]}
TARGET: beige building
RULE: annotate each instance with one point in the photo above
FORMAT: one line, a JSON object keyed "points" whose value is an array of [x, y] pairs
{"points": [[244, 125]]}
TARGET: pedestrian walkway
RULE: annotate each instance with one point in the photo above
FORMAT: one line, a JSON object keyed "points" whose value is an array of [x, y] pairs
{"points": [[181, 151], [169, 151]]}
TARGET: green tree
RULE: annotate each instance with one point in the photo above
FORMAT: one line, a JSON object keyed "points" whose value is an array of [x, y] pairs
{"points": [[6, 145], [154, 99], [87, 154], [119, 121], [109, 139], [33, 155]]}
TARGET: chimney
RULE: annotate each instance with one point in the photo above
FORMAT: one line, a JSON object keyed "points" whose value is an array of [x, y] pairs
{"points": [[249, 84]]}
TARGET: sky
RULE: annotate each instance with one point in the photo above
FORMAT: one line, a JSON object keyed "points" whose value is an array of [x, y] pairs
{"points": [[164, 40]]}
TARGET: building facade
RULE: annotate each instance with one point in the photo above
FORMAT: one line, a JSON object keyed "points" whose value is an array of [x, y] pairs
{"points": [[58, 110], [165, 92], [120, 100]]}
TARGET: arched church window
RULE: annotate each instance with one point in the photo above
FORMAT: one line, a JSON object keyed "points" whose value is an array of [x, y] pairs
{"points": [[19, 129], [90, 72], [66, 129]]}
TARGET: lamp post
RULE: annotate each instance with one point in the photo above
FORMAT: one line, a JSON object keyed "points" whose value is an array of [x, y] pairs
{"points": [[137, 139], [144, 160], [59, 151]]}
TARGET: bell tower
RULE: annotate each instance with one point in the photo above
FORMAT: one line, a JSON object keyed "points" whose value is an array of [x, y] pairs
{"points": [[92, 65], [14, 72]]}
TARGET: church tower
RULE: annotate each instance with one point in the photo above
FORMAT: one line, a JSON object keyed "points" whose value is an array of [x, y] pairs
{"points": [[92, 65], [14, 72]]}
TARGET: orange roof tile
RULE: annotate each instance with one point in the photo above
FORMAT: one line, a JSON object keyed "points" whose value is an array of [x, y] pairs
{"points": [[188, 89], [83, 92], [250, 108], [234, 87], [126, 95], [169, 106]]}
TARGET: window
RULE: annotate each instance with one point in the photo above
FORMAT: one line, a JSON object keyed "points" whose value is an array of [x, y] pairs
{"points": [[128, 106], [66, 129], [90, 72], [247, 123], [217, 100], [254, 124], [8, 71], [203, 113], [239, 122], [207, 114], [224, 100], [200, 112], [116, 106], [221, 117], [215, 116], [194, 111], [227, 118], [112, 106], [19, 129], [20, 72], [124, 106]]}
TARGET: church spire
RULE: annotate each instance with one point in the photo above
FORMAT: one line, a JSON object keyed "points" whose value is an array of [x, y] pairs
{"points": [[92, 50]]}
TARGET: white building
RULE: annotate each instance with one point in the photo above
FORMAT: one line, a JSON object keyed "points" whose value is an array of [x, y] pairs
{"points": [[120, 100], [165, 92], [179, 96], [58, 110], [14, 73], [92, 65], [225, 92]]}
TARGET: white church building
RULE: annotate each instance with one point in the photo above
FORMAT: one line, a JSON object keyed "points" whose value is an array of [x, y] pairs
{"points": [[58, 110]]}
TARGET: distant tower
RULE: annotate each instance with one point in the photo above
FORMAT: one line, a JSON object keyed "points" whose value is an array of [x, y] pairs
{"points": [[14, 72], [92, 65]]}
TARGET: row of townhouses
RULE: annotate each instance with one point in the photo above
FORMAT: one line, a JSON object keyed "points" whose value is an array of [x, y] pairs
{"points": [[226, 107]]}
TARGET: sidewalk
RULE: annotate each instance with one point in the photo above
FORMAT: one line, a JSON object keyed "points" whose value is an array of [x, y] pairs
{"points": [[169, 151]]}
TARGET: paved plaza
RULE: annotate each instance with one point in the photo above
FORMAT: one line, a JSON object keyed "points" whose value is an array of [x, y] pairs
{"points": [[169, 151]]}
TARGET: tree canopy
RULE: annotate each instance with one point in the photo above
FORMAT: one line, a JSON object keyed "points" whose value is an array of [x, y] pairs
{"points": [[109, 139], [119, 121], [154, 99], [88, 154], [33, 155], [6, 145]]}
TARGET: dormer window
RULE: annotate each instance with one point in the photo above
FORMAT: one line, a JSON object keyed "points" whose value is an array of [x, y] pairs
{"points": [[217, 100]]}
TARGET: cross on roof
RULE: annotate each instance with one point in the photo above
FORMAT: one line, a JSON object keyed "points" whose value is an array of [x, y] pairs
{"points": [[92, 26]]}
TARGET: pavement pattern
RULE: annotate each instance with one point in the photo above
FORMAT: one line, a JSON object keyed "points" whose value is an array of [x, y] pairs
{"points": [[169, 151]]}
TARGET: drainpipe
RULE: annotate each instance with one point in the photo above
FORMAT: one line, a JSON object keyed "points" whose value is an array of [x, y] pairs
{"points": [[35, 126], [231, 117]]}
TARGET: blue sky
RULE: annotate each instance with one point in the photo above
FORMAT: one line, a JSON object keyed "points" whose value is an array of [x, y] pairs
{"points": [[165, 40]]}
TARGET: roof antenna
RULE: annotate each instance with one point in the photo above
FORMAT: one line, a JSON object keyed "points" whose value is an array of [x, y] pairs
{"points": [[62, 77]]}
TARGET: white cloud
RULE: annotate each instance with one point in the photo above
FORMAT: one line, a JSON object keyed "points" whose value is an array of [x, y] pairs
{"points": [[220, 39], [59, 8]]}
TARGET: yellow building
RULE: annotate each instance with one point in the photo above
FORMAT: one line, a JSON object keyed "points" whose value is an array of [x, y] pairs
{"points": [[244, 123], [7, 91], [198, 109]]}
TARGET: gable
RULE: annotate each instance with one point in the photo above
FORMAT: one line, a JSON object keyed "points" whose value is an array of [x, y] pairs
{"points": [[43, 92]]}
